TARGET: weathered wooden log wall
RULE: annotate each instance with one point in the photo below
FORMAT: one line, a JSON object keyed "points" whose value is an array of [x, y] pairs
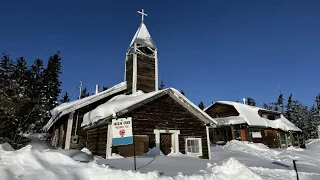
{"points": [[166, 114], [97, 140], [129, 73], [82, 134], [146, 73]]}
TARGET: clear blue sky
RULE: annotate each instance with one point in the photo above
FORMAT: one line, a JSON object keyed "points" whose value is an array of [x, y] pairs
{"points": [[213, 50]]}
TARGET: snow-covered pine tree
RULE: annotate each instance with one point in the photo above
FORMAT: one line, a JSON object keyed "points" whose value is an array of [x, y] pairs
{"points": [[312, 123], [250, 101], [289, 109], [280, 102], [201, 105], [318, 102], [266, 106], [37, 94], [52, 83]]}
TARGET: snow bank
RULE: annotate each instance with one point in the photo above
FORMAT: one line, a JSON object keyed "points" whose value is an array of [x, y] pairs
{"points": [[86, 150], [75, 154], [313, 144], [256, 149], [153, 152], [29, 163], [114, 156], [232, 169], [6, 147]]}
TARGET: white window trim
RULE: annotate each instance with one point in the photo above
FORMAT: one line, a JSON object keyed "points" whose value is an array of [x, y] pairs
{"points": [[200, 146]]}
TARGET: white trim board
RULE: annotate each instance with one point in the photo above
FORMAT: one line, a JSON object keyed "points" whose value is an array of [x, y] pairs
{"points": [[174, 138], [69, 129], [208, 142]]}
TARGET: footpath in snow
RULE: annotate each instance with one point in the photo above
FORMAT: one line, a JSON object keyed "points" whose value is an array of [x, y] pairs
{"points": [[236, 160]]}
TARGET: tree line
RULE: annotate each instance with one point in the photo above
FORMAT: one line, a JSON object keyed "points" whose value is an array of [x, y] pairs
{"points": [[27, 94]]}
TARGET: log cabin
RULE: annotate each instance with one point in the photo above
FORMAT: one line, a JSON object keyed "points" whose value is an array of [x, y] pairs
{"points": [[237, 121], [163, 119]]}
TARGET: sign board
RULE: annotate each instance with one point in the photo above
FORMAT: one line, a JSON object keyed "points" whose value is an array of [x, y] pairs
{"points": [[256, 134], [122, 131]]}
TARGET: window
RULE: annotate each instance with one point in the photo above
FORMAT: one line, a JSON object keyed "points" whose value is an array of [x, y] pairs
{"points": [[194, 146]]}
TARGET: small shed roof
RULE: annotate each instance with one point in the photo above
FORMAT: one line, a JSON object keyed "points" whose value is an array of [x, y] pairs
{"points": [[250, 114]]}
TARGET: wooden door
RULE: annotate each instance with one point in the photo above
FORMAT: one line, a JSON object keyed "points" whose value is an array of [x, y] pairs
{"points": [[165, 143]]}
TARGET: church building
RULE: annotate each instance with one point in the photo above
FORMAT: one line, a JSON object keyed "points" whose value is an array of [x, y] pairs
{"points": [[162, 119]]}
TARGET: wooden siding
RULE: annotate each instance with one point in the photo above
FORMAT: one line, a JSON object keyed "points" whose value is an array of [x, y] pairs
{"points": [[59, 132], [145, 73], [97, 140], [129, 73], [141, 147], [166, 114]]}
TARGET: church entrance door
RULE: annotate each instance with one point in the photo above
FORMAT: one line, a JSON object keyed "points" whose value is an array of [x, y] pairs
{"points": [[165, 143]]}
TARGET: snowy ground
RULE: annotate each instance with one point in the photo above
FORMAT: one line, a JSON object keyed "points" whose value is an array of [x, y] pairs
{"points": [[236, 160]]}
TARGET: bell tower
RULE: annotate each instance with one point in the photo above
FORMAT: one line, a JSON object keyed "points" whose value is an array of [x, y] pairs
{"points": [[141, 66]]}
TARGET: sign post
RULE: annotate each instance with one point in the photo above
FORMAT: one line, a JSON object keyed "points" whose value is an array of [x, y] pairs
{"points": [[122, 134], [122, 131]]}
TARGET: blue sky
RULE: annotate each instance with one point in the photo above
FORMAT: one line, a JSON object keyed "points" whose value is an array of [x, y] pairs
{"points": [[213, 50]]}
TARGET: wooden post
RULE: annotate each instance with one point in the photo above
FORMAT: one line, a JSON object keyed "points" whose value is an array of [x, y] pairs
{"points": [[295, 168], [134, 144], [232, 131], [69, 129]]}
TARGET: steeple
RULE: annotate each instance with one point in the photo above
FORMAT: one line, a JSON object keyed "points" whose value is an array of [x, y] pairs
{"points": [[141, 67]]}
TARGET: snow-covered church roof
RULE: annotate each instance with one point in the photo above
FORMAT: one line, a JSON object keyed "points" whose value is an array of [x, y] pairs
{"points": [[122, 104], [143, 37], [66, 108], [250, 115]]}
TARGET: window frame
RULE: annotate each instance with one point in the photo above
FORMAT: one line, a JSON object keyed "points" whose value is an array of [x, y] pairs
{"points": [[199, 144]]}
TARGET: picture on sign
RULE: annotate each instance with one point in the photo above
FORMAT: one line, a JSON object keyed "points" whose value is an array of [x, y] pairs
{"points": [[122, 131]]}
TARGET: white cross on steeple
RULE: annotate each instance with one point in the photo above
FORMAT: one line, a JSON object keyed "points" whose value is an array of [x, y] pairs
{"points": [[142, 14]]}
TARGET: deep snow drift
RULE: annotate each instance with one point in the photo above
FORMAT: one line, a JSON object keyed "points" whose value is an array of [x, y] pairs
{"points": [[236, 160]]}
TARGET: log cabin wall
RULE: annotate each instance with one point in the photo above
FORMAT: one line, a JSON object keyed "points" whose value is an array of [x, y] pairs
{"points": [[82, 134], [129, 73], [145, 73], [166, 114], [97, 140], [59, 131]]}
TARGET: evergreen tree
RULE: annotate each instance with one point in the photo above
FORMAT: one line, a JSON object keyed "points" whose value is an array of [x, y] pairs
{"points": [[65, 98], [182, 92], [266, 106], [52, 83], [251, 101], [280, 102], [289, 109], [84, 93], [162, 86], [318, 102], [104, 88], [201, 105], [27, 94]]}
